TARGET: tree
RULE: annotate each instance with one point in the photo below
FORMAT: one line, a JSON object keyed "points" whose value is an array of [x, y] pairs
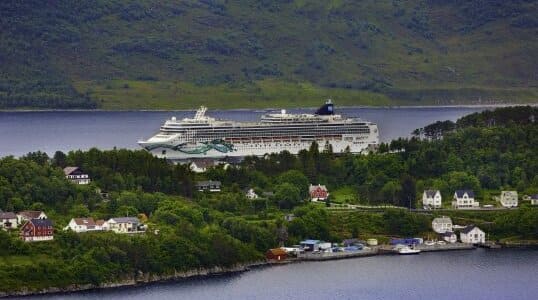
{"points": [[297, 179], [408, 192], [41, 158], [127, 211], [287, 195], [391, 191], [79, 211], [59, 159]]}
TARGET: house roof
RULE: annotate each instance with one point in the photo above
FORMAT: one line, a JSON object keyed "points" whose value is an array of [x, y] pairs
{"points": [[459, 193], [430, 193], [442, 219], [315, 187], [30, 214], [203, 163], [84, 221], [534, 197], [41, 222], [207, 182], [126, 220], [468, 229], [311, 242], [277, 251], [69, 170], [7, 215], [446, 233]]}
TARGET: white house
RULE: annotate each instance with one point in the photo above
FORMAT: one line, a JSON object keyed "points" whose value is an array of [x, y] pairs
{"points": [[251, 194], [8, 220], [83, 225], [464, 199], [201, 165], [75, 175], [442, 224], [431, 199], [123, 225], [472, 235], [449, 237], [509, 199], [28, 215]]}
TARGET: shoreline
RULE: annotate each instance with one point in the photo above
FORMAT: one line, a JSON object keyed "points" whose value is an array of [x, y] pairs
{"points": [[140, 280], [271, 109], [149, 279]]}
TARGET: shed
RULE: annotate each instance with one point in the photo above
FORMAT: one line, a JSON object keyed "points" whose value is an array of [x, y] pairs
{"points": [[276, 254]]}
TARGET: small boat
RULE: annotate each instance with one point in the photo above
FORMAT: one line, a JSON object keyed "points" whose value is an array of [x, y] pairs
{"points": [[408, 251]]}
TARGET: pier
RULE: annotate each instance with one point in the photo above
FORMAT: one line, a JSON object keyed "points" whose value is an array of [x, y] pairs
{"points": [[318, 256]]}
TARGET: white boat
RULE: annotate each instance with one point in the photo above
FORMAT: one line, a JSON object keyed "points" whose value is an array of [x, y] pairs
{"points": [[206, 137], [407, 251]]}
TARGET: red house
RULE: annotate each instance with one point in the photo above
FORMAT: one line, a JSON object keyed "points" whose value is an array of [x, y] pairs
{"points": [[37, 230], [318, 192], [276, 254]]}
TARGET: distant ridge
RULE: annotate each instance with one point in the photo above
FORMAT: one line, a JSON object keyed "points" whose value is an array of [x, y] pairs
{"points": [[255, 54]]}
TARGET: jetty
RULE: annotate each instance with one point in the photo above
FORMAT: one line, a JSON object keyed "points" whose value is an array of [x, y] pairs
{"points": [[319, 256], [445, 247]]}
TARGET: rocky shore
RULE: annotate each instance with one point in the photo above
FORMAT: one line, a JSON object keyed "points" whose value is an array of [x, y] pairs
{"points": [[138, 280]]}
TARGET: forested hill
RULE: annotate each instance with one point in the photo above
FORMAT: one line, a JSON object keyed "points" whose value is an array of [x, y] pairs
{"points": [[260, 53]]}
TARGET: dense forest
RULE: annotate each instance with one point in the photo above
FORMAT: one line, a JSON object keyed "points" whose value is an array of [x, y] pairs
{"points": [[237, 53], [487, 152]]}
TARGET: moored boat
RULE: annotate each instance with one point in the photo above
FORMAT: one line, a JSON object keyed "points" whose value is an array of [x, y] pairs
{"points": [[407, 251]]}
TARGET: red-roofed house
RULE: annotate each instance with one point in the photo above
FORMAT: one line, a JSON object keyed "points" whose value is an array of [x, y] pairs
{"points": [[37, 230], [318, 192]]}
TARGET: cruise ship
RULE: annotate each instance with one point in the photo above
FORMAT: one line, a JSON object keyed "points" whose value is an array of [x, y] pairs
{"points": [[207, 137]]}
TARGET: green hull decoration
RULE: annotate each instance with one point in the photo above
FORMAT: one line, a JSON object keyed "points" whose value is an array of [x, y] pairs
{"points": [[203, 148]]}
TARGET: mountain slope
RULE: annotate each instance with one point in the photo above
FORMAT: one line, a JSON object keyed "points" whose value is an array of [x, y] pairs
{"points": [[176, 54]]}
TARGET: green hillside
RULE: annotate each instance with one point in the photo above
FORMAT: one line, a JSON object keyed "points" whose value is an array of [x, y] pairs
{"points": [[266, 53]]}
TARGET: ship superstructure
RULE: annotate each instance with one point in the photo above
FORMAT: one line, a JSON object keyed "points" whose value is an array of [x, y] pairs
{"points": [[207, 137]]}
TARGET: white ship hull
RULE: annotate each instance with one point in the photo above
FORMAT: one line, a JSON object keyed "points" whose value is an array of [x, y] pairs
{"points": [[362, 145], [205, 137]]}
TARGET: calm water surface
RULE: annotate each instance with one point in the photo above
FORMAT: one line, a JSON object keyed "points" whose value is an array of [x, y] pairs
{"points": [[22, 132], [468, 274]]}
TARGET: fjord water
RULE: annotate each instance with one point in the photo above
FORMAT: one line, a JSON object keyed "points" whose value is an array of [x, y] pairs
{"points": [[23, 132], [468, 274]]}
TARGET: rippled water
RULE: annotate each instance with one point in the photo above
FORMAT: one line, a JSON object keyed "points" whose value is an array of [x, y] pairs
{"points": [[22, 132], [468, 274]]}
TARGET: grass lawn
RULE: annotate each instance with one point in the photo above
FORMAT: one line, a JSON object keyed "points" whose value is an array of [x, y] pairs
{"points": [[344, 195], [129, 94]]}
